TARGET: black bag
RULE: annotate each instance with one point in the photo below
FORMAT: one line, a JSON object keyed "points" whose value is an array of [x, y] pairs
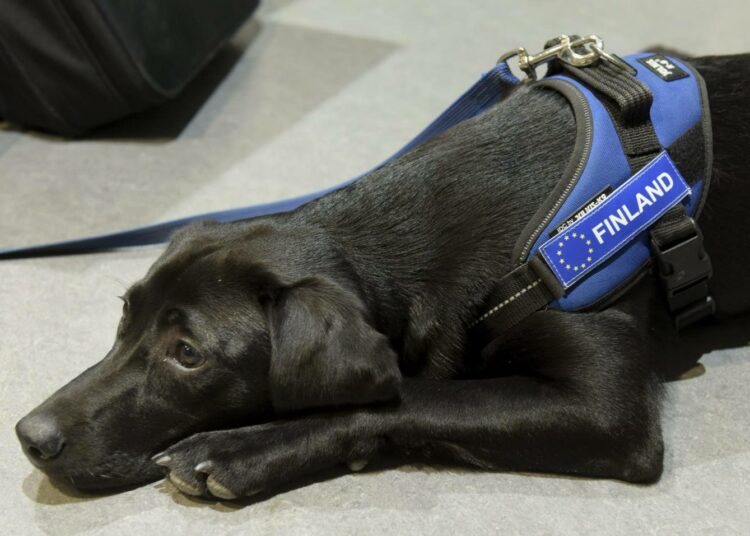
{"points": [[69, 65]]}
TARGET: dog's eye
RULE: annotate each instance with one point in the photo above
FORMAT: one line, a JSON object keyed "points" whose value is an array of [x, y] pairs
{"points": [[187, 356]]}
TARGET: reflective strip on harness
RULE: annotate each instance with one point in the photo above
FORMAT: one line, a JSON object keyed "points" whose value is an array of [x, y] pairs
{"points": [[628, 211]]}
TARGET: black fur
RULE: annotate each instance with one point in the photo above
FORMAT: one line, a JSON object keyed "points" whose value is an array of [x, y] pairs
{"points": [[347, 319]]}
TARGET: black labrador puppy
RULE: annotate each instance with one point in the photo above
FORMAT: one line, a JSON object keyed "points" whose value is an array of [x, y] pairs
{"points": [[257, 353]]}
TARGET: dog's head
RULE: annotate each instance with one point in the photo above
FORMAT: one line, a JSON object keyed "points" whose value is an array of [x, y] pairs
{"points": [[223, 331]]}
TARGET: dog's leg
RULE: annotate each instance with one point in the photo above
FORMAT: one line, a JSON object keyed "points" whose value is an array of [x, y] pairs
{"points": [[584, 401], [525, 424], [587, 404]]}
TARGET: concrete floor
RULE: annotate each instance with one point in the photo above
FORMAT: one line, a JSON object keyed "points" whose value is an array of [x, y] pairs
{"points": [[322, 91]]}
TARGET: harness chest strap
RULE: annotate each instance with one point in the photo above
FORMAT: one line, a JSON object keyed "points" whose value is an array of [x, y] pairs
{"points": [[651, 198]]}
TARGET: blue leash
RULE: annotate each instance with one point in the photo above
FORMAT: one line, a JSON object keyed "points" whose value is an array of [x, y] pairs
{"points": [[492, 87]]}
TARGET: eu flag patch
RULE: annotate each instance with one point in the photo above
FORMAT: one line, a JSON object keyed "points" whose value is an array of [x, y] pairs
{"points": [[629, 210]]}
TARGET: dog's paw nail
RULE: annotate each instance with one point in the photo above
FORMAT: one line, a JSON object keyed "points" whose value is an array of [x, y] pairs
{"points": [[219, 490], [204, 467], [162, 459], [184, 487], [357, 465]]}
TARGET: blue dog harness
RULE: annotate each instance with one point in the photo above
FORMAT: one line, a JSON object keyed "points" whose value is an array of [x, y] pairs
{"points": [[638, 178]]}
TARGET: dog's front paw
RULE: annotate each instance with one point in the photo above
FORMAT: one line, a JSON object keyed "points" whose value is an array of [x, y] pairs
{"points": [[223, 464], [229, 464]]}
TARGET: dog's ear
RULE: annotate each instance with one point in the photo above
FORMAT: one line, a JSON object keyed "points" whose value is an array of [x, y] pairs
{"points": [[324, 350]]}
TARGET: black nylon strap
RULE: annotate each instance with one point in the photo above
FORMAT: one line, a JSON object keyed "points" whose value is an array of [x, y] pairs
{"points": [[689, 155], [520, 293], [631, 96], [628, 102], [674, 227]]}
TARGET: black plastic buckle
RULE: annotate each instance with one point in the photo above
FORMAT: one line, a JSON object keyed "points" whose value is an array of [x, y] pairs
{"points": [[685, 269]]}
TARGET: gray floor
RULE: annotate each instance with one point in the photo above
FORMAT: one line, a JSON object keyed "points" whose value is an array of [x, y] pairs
{"points": [[324, 90]]}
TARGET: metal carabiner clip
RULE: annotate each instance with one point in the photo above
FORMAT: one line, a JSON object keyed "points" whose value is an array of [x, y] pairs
{"points": [[578, 52]]}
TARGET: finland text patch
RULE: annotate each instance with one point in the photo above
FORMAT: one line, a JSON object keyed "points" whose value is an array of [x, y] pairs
{"points": [[622, 216]]}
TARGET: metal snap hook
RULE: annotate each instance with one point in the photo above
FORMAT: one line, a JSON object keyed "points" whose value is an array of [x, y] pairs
{"points": [[576, 51]]}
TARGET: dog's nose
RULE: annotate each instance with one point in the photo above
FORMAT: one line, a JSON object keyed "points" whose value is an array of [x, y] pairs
{"points": [[40, 436]]}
